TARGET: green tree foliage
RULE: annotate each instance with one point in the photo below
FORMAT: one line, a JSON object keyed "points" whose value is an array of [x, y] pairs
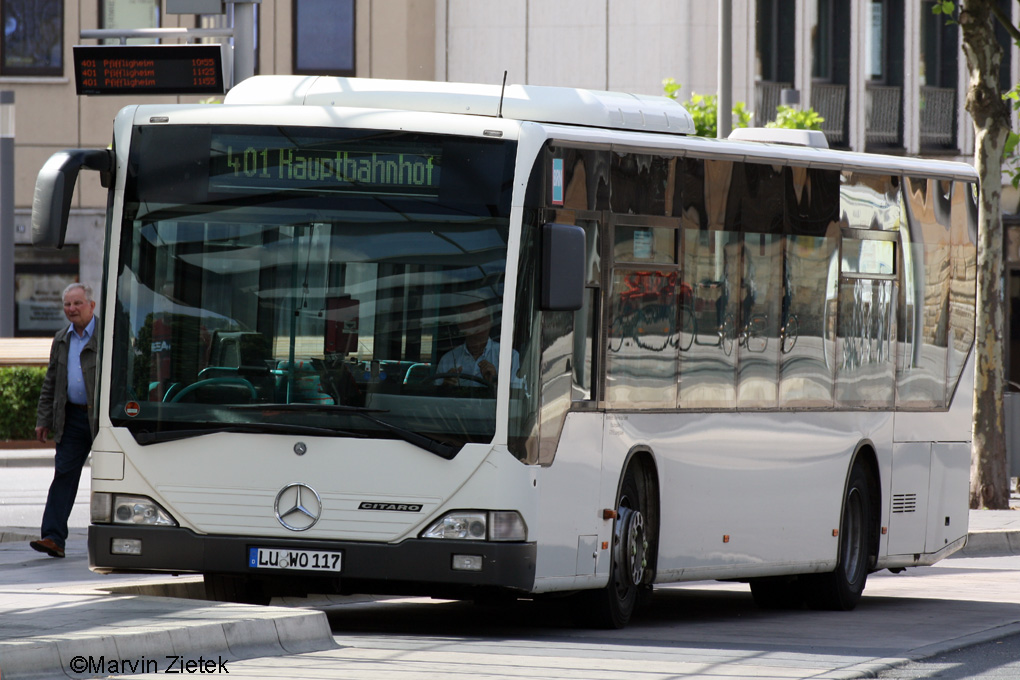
{"points": [[19, 394], [796, 119], [945, 8], [704, 109]]}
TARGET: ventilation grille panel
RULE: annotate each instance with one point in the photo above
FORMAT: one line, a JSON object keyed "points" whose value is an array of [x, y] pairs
{"points": [[904, 502]]}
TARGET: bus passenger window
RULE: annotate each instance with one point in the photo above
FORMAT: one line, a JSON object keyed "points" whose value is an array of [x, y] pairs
{"points": [[921, 365], [641, 357], [865, 360], [810, 288], [756, 200], [711, 269], [963, 273], [757, 341]]}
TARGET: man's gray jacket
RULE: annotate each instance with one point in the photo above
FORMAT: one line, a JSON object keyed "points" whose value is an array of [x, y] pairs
{"points": [[53, 396]]}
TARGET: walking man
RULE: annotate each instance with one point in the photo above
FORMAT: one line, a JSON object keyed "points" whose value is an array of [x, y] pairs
{"points": [[67, 410]]}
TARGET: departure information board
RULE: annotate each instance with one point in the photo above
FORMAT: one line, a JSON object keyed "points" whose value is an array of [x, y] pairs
{"points": [[149, 69]]}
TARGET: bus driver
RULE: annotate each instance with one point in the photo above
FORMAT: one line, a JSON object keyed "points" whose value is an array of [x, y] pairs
{"points": [[478, 355]]}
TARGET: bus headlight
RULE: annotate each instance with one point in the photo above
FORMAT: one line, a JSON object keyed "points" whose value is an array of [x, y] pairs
{"points": [[139, 510], [474, 525], [118, 509]]}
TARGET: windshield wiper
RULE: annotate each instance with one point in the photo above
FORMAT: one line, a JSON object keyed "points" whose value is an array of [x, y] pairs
{"points": [[145, 438], [441, 449]]}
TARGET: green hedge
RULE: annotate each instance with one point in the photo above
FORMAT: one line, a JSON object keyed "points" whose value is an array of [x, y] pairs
{"points": [[19, 397]]}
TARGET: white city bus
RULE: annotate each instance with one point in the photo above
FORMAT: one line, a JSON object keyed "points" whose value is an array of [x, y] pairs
{"points": [[467, 341]]}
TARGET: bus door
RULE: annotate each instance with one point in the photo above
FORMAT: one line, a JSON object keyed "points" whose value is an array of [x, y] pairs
{"points": [[570, 427]]}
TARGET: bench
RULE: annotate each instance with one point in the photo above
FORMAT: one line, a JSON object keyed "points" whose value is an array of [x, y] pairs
{"points": [[25, 351]]}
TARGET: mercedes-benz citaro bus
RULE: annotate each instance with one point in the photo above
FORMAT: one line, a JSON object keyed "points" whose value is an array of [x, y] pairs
{"points": [[470, 341]]}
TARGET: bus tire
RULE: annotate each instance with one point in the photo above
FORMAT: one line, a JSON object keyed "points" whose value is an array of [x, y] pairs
{"points": [[629, 571], [232, 588], [841, 589]]}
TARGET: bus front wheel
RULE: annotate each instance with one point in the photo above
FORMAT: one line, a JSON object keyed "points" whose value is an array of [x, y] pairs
{"points": [[629, 570]]}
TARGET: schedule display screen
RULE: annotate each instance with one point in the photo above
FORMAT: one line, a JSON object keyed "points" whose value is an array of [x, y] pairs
{"points": [[149, 69], [256, 163], [311, 169]]}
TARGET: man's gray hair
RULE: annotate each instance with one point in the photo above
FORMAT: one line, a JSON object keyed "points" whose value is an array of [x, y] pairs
{"points": [[77, 284]]}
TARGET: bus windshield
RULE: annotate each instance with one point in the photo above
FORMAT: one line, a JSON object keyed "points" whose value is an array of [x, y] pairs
{"points": [[309, 281]]}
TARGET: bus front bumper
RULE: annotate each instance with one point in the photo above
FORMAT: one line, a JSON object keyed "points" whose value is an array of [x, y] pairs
{"points": [[424, 566]]}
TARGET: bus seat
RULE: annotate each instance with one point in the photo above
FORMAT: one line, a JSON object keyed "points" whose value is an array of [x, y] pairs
{"points": [[238, 348], [307, 388], [419, 372]]}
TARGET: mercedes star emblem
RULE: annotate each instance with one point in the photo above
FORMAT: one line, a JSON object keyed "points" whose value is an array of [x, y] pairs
{"points": [[298, 507]]}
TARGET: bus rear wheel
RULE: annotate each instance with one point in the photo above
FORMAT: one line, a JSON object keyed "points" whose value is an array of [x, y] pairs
{"points": [[841, 589], [613, 605]]}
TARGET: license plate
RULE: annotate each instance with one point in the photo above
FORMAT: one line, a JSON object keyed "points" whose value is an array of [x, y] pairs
{"points": [[282, 558]]}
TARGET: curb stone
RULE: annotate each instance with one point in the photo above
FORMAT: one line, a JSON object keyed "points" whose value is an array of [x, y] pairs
{"points": [[15, 536], [872, 668], [257, 632], [991, 543]]}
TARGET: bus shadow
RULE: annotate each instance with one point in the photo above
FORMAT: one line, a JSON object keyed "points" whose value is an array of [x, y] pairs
{"points": [[702, 616]]}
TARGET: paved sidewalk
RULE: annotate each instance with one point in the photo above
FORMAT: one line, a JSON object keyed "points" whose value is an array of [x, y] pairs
{"points": [[34, 457], [53, 610]]}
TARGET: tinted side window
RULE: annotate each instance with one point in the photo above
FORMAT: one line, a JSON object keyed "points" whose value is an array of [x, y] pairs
{"points": [[810, 286], [868, 292], [962, 280], [923, 342]]}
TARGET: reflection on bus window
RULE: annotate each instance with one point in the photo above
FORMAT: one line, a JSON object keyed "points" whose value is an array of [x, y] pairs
{"points": [[867, 327], [925, 298], [641, 351], [811, 278], [758, 344], [963, 279]]}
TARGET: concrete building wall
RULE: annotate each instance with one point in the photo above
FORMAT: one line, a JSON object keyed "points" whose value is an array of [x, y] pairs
{"points": [[623, 45]]}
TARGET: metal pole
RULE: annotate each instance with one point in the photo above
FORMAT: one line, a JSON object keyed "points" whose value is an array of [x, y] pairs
{"points": [[163, 33], [244, 39], [723, 122], [6, 214]]}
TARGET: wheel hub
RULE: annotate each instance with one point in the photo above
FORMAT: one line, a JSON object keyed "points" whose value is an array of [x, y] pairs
{"points": [[630, 546]]}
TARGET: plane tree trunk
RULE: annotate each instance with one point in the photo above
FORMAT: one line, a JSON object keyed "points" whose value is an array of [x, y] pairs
{"points": [[989, 475]]}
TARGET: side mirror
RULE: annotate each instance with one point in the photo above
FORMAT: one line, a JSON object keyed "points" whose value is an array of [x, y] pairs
{"points": [[563, 264], [54, 188]]}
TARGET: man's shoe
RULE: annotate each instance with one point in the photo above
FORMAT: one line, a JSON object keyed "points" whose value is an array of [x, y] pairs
{"points": [[47, 546]]}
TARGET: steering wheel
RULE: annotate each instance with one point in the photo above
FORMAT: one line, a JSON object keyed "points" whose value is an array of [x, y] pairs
{"points": [[462, 376], [209, 382]]}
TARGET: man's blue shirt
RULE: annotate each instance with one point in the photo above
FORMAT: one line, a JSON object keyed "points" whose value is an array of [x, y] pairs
{"points": [[76, 393]]}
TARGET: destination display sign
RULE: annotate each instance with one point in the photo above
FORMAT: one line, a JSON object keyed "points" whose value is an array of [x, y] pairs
{"points": [[149, 69], [242, 163]]}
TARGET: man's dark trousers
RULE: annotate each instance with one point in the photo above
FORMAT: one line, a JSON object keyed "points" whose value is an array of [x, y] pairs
{"points": [[72, 450]]}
